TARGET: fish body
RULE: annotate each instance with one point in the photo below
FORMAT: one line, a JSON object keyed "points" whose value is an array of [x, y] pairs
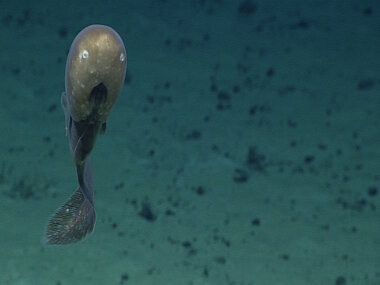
{"points": [[95, 73]]}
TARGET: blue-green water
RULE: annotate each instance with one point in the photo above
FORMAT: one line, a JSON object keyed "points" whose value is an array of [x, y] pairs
{"points": [[243, 149]]}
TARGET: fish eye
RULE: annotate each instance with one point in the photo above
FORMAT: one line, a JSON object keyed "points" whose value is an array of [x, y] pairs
{"points": [[122, 57], [83, 54]]}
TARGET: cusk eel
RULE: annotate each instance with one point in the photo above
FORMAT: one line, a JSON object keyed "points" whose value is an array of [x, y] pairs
{"points": [[95, 72]]}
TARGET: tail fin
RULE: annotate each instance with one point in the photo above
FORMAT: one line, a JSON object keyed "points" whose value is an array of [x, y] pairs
{"points": [[72, 221]]}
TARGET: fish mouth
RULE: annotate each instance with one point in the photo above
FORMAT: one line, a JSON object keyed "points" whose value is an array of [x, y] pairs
{"points": [[98, 97], [98, 94]]}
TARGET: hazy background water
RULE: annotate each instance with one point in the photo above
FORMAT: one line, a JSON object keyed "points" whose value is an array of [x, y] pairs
{"points": [[244, 148]]}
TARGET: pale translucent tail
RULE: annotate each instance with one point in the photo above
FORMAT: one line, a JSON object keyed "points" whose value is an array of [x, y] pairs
{"points": [[72, 222]]}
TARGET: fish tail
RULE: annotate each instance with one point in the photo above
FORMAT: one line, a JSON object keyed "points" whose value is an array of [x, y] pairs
{"points": [[72, 222]]}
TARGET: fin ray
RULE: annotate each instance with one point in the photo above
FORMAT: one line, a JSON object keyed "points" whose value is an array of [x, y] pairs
{"points": [[72, 222]]}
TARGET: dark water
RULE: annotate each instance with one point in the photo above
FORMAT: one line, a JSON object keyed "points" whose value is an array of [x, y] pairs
{"points": [[243, 149]]}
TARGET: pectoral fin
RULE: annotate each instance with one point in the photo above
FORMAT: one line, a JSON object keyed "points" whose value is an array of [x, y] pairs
{"points": [[65, 107]]}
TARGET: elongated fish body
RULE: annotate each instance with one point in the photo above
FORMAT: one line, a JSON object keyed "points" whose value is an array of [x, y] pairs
{"points": [[95, 72]]}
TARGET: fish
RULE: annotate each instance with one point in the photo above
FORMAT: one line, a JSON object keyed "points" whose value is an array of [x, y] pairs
{"points": [[95, 72]]}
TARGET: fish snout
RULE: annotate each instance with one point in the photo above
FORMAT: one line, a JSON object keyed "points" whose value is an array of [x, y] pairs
{"points": [[95, 72]]}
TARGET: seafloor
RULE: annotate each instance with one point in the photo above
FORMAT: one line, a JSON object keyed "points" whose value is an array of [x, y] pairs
{"points": [[243, 150]]}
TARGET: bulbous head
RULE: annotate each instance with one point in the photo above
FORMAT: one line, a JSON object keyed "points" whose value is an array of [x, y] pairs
{"points": [[95, 72]]}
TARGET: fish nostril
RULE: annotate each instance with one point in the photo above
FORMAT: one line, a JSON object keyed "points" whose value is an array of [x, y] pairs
{"points": [[98, 94]]}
